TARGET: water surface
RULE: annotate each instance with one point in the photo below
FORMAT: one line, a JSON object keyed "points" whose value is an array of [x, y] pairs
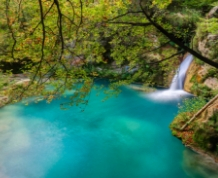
{"points": [[124, 137]]}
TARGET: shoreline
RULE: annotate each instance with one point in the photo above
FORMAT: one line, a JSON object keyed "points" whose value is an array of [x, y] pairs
{"points": [[4, 100], [16, 79], [203, 153]]}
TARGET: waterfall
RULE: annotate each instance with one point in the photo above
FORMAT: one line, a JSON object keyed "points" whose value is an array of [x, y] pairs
{"points": [[175, 92], [178, 80]]}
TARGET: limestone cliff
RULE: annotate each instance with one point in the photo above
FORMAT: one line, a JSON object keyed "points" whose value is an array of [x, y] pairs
{"points": [[199, 129], [201, 80]]}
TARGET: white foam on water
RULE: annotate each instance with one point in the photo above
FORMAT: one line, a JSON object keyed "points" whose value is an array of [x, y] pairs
{"points": [[167, 95], [175, 92]]}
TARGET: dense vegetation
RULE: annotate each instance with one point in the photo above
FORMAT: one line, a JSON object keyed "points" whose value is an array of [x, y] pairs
{"points": [[68, 44], [61, 43]]}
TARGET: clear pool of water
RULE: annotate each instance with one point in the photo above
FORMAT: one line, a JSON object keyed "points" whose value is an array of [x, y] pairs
{"points": [[123, 137]]}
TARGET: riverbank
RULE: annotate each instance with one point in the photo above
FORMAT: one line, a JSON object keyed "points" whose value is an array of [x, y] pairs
{"points": [[187, 135], [15, 79], [129, 130], [187, 139], [198, 130]]}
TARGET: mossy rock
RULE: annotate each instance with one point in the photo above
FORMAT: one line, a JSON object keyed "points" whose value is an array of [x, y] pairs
{"points": [[205, 40]]}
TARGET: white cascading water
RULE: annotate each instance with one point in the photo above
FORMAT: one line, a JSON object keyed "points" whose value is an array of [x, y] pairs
{"points": [[179, 78], [175, 92]]}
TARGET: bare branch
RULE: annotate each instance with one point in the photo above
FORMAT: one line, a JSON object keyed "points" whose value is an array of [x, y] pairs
{"points": [[157, 47], [72, 22], [44, 16], [157, 62], [81, 12], [127, 13], [132, 23], [10, 28], [71, 4], [60, 26], [43, 40], [176, 41], [81, 16]]}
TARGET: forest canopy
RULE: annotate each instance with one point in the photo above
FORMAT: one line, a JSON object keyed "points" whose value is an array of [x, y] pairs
{"points": [[63, 42]]}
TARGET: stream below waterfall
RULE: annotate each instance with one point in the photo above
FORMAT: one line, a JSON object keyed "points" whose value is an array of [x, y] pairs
{"points": [[123, 137]]}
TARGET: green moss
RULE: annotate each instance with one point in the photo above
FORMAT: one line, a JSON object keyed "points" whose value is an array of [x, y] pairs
{"points": [[213, 72], [207, 32], [191, 105], [199, 62], [198, 4], [202, 90], [174, 132], [206, 134], [180, 120], [208, 26]]}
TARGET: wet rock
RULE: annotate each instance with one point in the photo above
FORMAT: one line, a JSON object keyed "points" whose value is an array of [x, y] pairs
{"points": [[192, 70]]}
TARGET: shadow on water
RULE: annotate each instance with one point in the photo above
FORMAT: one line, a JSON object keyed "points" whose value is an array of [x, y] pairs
{"points": [[123, 137], [196, 165]]}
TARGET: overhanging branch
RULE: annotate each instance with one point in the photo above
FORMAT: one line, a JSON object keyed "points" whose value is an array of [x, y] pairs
{"points": [[157, 62], [176, 41], [132, 23]]}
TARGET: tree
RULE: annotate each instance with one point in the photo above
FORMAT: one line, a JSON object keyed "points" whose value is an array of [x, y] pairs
{"points": [[66, 40], [154, 12]]}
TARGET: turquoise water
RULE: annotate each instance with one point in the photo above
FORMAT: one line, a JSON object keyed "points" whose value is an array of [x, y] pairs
{"points": [[123, 137]]}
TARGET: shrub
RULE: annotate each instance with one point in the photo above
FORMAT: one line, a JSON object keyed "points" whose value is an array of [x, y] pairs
{"points": [[191, 105], [206, 135]]}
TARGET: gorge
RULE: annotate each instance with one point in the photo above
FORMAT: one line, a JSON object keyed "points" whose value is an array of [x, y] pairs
{"points": [[68, 108], [123, 137]]}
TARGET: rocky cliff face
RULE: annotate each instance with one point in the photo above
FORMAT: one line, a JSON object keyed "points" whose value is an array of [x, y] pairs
{"points": [[205, 39], [201, 80], [201, 132], [202, 76], [192, 70]]}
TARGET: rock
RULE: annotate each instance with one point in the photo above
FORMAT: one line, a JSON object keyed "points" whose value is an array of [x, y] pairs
{"points": [[207, 45], [202, 47], [23, 82], [205, 40], [3, 100], [192, 70], [211, 83], [199, 72], [203, 70]]}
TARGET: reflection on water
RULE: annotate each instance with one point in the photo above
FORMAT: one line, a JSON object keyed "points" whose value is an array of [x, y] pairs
{"points": [[23, 143], [197, 165], [124, 137]]}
